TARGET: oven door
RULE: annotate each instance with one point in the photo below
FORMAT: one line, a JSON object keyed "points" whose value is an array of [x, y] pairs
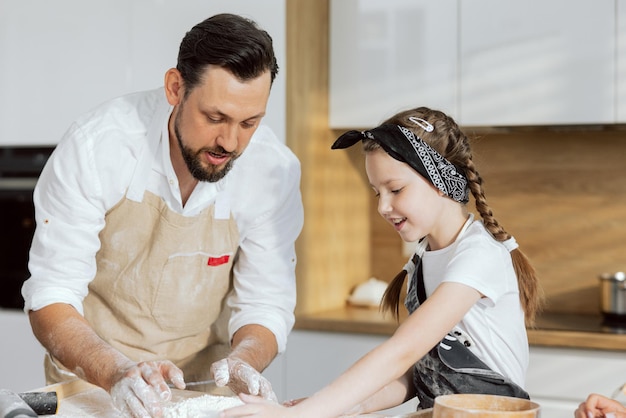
{"points": [[17, 226]]}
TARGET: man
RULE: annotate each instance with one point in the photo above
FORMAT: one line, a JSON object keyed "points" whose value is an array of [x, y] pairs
{"points": [[155, 229]]}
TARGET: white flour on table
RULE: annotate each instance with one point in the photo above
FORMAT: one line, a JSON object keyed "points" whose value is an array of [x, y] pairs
{"points": [[202, 406]]}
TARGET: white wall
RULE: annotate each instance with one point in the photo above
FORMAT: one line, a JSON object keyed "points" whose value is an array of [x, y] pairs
{"points": [[60, 58]]}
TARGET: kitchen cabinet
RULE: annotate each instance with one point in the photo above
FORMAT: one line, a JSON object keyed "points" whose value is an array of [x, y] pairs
{"points": [[59, 59], [621, 61], [486, 62], [537, 62], [559, 379], [388, 56], [158, 26]]}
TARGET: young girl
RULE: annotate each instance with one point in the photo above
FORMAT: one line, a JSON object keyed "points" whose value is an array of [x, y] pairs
{"points": [[470, 288]]}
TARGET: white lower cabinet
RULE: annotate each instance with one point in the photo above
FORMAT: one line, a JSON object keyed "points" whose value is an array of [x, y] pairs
{"points": [[559, 379], [314, 358]]}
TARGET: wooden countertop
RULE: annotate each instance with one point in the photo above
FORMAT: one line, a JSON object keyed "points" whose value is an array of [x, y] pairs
{"points": [[552, 330]]}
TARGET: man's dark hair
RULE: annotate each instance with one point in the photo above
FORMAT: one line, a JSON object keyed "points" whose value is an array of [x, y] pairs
{"points": [[228, 41]]}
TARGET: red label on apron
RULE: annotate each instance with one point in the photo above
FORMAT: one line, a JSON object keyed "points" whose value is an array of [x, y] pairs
{"points": [[218, 261]]}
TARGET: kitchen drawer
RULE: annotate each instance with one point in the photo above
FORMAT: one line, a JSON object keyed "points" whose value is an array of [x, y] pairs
{"points": [[559, 379]]}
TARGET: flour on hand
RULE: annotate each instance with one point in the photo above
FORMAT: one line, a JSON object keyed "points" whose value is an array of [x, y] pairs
{"points": [[201, 406]]}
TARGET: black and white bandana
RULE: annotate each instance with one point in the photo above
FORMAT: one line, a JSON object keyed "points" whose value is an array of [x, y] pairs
{"points": [[402, 144]]}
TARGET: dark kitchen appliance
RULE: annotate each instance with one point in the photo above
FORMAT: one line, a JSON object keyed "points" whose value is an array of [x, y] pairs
{"points": [[613, 298], [19, 170]]}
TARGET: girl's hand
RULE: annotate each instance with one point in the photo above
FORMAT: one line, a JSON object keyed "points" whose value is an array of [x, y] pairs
{"points": [[600, 406], [256, 406]]}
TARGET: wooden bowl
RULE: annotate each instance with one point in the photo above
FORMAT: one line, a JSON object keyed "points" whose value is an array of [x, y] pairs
{"points": [[483, 406]]}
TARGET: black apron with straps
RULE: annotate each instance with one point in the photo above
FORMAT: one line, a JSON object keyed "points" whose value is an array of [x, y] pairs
{"points": [[450, 367]]}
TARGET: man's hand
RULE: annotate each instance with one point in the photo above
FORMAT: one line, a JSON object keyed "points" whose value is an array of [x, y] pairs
{"points": [[240, 377], [140, 390]]}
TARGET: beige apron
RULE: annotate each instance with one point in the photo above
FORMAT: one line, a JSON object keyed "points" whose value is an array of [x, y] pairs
{"points": [[162, 278]]}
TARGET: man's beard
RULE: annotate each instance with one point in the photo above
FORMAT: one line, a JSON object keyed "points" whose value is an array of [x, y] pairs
{"points": [[193, 159]]}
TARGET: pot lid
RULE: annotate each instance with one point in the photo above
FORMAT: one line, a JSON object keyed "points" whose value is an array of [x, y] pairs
{"points": [[620, 275]]}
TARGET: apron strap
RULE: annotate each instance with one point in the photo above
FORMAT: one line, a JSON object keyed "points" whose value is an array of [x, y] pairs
{"points": [[421, 288]]}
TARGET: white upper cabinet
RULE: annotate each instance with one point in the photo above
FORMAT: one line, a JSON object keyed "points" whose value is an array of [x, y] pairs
{"points": [[621, 61], [60, 58], [486, 62], [537, 62], [387, 56]]}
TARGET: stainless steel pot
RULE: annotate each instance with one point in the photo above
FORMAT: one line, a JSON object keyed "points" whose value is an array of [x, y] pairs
{"points": [[613, 295]]}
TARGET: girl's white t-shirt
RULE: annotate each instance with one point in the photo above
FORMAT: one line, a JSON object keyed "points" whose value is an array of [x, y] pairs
{"points": [[495, 324]]}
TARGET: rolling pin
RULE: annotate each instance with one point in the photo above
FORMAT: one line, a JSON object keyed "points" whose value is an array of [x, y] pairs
{"points": [[28, 404], [43, 403]]}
